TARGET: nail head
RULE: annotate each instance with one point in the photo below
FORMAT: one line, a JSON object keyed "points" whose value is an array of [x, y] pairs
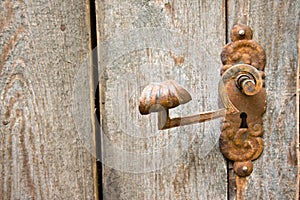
{"points": [[242, 32]]}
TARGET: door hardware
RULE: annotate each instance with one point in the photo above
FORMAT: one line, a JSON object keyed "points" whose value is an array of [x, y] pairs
{"points": [[164, 96], [240, 140], [243, 94]]}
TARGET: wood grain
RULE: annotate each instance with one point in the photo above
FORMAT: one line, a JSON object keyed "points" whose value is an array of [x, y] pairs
{"points": [[275, 25], [42, 156], [298, 116], [154, 41]]}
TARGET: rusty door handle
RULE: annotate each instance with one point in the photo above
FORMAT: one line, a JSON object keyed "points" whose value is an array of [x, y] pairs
{"points": [[161, 97], [243, 94]]}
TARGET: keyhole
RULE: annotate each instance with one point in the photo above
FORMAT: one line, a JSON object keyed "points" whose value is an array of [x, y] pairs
{"points": [[244, 120]]}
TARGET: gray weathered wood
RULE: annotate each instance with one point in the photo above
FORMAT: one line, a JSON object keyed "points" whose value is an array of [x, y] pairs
{"points": [[145, 41], [42, 44], [276, 27], [298, 117]]}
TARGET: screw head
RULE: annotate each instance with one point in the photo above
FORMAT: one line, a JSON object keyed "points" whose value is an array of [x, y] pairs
{"points": [[245, 168], [242, 32]]}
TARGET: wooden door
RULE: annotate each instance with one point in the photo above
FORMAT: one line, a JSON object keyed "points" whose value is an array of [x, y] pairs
{"points": [[141, 41], [44, 47], [47, 122]]}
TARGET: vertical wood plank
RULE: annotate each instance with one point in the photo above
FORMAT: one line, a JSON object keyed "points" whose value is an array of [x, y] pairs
{"points": [[154, 41], [43, 45], [298, 116], [275, 26]]}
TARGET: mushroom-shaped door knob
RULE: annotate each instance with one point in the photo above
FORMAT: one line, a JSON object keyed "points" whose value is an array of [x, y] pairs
{"points": [[157, 97], [160, 97]]}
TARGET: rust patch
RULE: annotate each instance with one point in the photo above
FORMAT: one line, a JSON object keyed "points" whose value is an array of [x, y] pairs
{"points": [[158, 97], [242, 50], [241, 32], [240, 140], [178, 60], [240, 187]]}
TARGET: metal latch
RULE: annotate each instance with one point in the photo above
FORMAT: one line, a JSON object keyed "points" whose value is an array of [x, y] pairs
{"points": [[243, 94]]}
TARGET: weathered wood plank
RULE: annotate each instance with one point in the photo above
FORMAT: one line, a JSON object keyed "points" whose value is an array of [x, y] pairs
{"points": [[298, 117], [42, 45], [154, 41], [276, 27]]}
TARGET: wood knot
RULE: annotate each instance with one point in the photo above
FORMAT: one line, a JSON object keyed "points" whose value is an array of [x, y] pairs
{"points": [[63, 27], [5, 122]]}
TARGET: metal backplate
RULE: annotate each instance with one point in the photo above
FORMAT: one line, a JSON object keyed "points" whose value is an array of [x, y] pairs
{"points": [[240, 140]]}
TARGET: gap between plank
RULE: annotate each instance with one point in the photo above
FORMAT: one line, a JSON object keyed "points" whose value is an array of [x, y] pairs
{"points": [[97, 165]]}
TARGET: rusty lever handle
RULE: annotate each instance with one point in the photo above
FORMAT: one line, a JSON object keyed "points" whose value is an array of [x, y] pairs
{"points": [[165, 122], [162, 97]]}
